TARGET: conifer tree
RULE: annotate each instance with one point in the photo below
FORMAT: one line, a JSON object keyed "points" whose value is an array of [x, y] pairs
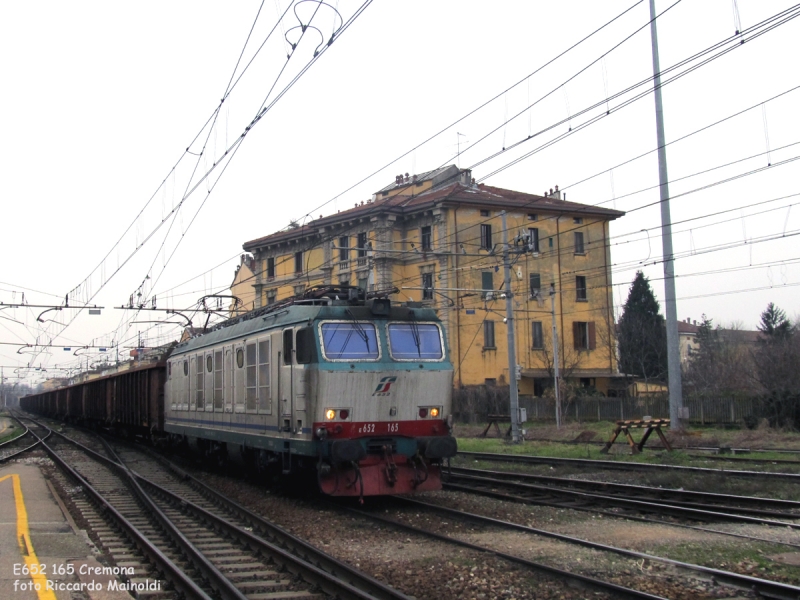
{"points": [[778, 354], [642, 333], [774, 323]]}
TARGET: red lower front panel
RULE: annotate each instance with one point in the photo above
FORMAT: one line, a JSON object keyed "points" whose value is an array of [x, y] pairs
{"points": [[377, 476], [336, 430]]}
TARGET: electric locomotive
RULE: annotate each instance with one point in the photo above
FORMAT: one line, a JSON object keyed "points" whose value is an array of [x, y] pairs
{"points": [[357, 389]]}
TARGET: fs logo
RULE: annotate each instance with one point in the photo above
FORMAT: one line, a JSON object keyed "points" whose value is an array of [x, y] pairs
{"points": [[383, 386]]}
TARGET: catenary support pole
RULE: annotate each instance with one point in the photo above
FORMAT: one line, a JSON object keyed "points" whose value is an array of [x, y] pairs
{"points": [[673, 352], [512, 353], [555, 355]]}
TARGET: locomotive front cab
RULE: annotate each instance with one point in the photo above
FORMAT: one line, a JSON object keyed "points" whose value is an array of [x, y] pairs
{"points": [[382, 422]]}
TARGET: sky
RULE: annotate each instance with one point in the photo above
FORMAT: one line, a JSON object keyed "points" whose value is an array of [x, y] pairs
{"points": [[122, 171]]}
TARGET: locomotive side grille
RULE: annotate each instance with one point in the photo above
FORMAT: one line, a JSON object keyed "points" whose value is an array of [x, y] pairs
{"points": [[376, 445]]}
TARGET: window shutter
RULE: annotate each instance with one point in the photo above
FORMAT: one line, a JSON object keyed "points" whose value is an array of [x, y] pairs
{"points": [[592, 336], [576, 335], [536, 282], [486, 281]]}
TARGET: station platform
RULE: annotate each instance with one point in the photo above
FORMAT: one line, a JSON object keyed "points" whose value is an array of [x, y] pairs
{"points": [[36, 529]]}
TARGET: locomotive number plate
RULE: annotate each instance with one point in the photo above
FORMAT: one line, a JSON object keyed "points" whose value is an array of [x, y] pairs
{"points": [[373, 427]]}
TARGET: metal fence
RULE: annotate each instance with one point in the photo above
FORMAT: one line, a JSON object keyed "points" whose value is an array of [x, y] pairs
{"points": [[702, 411], [472, 408]]}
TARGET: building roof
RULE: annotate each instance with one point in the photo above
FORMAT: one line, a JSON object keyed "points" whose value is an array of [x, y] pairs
{"points": [[733, 335], [741, 336], [457, 193], [437, 177], [687, 328]]}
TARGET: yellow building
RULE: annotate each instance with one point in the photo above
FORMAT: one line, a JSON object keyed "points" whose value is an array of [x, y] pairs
{"points": [[242, 290], [437, 238]]}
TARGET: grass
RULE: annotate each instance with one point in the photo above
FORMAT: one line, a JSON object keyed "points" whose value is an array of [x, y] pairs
{"points": [[11, 433], [546, 439], [749, 558], [537, 444]]}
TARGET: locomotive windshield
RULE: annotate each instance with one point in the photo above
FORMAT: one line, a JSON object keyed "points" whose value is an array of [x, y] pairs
{"points": [[349, 341], [415, 341]]}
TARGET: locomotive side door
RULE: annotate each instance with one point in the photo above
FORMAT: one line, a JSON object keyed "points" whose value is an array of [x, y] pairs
{"points": [[227, 378], [286, 380]]}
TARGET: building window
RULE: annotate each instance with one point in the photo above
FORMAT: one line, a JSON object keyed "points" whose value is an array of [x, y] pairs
{"points": [[577, 220], [427, 241], [344, 248], [536, 284], [580, 288], [484, 213], [271, 296], [361, 244], [533, 217], [486, 236], [427, 286], [579, 248], [344, 279], [486, 282], [298, 262], [583, 335], [537, 335], [363, 283], [549, 242], [271, 267], [488, 334], [299, 290], [533, 238]]}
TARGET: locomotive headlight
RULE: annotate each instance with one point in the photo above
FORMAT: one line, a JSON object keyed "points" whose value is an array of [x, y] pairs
{"points": [[434, 412], [330, 414]]}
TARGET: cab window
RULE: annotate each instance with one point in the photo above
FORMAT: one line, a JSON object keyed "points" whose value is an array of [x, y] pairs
{"points": [[415, 341], [349, 341]]}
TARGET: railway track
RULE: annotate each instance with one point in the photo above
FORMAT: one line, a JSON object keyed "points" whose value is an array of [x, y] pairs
{"points": [[580, 493], [763, 588], [594, 584], [203, 548], [19, 445], [594, 465], [656, 446]]}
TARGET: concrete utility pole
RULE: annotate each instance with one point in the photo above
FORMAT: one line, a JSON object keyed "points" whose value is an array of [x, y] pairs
{"points": [[673, 352], [555, 354], [512, 352]]}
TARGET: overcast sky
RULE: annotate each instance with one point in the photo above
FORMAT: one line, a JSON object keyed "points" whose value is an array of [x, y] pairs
{"points": [[110, 118]]}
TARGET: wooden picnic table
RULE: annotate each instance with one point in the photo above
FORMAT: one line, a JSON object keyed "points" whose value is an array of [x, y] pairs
{"points": [[649, 425]]}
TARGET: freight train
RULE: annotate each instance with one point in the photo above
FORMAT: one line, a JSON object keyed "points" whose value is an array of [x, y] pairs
{"points": [[358, 390]]}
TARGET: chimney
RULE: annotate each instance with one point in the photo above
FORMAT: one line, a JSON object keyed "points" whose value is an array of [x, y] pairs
{"points": [[555, 194]]}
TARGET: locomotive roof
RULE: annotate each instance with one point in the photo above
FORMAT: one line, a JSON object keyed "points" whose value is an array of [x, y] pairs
{"points": [[294, 314]]}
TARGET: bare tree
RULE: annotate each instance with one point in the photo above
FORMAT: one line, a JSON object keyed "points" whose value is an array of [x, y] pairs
{"points": [[569, 359], [722, 364], [777, 355]]}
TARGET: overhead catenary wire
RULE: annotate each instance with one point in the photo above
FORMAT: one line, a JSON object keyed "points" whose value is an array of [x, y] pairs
{"points": [[628, 161], [261, 113]]}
